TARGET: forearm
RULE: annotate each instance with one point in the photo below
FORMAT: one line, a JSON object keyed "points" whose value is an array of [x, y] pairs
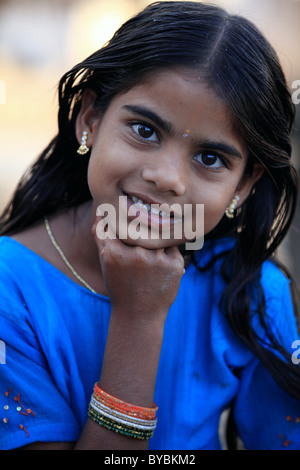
{"points": [[142, 284], [129, 373]]}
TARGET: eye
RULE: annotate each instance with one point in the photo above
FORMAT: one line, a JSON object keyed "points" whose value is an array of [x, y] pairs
{"points": [[210, 160], [145, 132]]}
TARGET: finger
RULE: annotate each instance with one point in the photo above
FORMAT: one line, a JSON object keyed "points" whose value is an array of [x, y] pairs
{"points": [[178, 259], [99, 232]]}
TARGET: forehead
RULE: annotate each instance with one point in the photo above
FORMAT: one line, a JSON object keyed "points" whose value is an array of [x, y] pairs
{"points": [[186, 86]]}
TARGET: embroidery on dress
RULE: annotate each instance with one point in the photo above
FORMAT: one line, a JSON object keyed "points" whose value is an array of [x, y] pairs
{"points": [[285, 440], [14, 404]]}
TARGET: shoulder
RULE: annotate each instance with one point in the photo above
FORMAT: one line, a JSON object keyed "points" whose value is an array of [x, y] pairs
{"points": [[23, 245], [275, 283], [34, 238], [280, 311], [29, 255], [23, 277], [14, 257], [271, 271], [15, 261], [15, 318]]}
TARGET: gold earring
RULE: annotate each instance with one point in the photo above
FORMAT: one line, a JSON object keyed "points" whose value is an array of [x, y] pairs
{"points": [[229, 212], [83, 149]]}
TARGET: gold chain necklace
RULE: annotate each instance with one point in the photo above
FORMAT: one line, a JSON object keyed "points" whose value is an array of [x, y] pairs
{"points": [[61, 253]]}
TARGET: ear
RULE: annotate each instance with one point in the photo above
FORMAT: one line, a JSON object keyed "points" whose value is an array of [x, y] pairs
{"points": [[247, 183], [88, 118]]}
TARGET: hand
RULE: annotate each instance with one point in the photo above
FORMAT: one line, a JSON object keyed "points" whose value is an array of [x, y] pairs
{"points": [[139, 281]]}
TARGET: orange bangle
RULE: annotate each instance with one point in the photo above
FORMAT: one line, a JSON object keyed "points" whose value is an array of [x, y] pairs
{"points": [[126, 408]]}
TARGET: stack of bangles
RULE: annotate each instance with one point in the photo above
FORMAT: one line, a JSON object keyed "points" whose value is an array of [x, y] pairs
{"points": [[122, 417]]}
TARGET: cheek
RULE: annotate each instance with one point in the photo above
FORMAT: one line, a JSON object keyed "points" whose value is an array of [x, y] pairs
{"points": [[106, 166], [214, 208], [98, 175], [211, 219]]}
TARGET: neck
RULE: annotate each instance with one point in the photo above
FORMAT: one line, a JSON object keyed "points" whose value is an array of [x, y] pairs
{"points": [[82, 220], [75, 228]]}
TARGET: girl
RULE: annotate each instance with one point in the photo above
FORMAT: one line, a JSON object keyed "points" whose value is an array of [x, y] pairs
{"points": [[185, 106]]}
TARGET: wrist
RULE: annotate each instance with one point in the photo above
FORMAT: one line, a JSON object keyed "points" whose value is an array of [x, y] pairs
{"points": [[139, 319], [131, 358]]}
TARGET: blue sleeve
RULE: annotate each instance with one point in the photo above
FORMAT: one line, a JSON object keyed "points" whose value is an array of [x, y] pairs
{"points": [[31, 407], [267, 417]]}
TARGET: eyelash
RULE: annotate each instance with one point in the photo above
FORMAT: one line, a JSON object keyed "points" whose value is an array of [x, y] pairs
{"points": [[210, 167], [144, 124], [154, 131]]}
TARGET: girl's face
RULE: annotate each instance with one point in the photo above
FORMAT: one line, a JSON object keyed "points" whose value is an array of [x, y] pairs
{"points": [[167, 141]]}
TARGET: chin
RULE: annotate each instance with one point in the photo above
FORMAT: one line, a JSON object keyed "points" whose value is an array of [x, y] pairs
{"points": [[151, 244]]}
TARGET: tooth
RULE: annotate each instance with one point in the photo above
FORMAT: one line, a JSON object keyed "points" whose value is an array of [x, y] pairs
{"points": [[154, 210], [138, 203], [149, 208]]}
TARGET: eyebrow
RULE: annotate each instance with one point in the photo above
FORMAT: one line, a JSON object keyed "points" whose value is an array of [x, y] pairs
{"points": [[222, 147], [149, 114], [167, 126]]}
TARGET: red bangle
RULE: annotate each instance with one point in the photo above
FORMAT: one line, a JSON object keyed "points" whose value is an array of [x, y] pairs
{"points": [[124, 407]]}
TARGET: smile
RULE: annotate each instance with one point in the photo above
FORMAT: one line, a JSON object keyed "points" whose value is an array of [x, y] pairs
{"points": [[163, 211], [140, 218], [150, 208]]}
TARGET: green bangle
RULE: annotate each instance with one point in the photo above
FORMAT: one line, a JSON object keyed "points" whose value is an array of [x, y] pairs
{"points": [[121, 430], [118, 427]]}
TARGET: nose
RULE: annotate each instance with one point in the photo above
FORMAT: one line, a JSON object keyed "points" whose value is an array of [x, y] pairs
{"points": [[167, 173]]}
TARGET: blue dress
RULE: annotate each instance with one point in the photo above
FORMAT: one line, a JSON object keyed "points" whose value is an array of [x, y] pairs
{"points": [[52, 339]]}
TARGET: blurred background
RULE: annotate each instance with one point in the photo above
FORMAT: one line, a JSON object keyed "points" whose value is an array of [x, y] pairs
{"points": [[41, 39]]}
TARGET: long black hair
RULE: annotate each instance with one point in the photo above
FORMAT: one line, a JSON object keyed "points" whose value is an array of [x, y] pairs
{"points": [[235, 59]]}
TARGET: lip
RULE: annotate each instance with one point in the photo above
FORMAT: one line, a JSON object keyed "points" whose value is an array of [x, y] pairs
{"points": [[174, 215]]}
